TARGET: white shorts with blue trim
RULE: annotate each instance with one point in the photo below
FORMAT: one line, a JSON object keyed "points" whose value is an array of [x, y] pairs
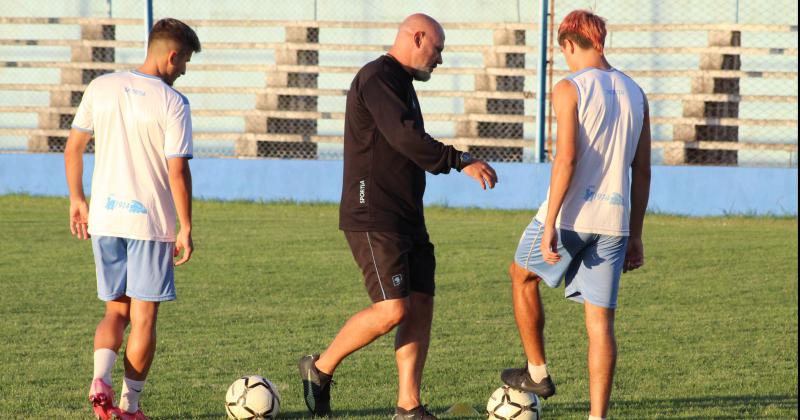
{"points": [[142, 270], [591, 263]]}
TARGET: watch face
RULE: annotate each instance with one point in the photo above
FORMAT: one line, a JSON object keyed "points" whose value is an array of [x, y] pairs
{"points": [[466, 157]]}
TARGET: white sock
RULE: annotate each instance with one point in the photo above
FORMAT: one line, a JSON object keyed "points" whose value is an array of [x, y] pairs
{"points": [[537, 372], [129, 399], [103, 364], [591, 417]]}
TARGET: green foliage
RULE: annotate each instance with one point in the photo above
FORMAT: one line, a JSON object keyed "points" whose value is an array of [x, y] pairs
{"points": [[706, 330]]}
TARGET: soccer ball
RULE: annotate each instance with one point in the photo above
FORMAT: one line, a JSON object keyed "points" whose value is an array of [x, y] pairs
{"points": [[252, 397], [507, 403]]}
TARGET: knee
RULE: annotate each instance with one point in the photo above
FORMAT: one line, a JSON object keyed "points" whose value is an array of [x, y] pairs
{"points": [[392, 314], [144, 315], [521, 277], [118, 317], [143, 322], [600, 329]]}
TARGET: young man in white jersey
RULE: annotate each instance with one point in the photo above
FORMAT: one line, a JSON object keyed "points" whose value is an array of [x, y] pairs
{"points": [[589, 230], [142, 129]]}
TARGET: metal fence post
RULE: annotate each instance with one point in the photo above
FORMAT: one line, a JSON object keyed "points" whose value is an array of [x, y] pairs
{"points": [[541, 73], [148, 21]]}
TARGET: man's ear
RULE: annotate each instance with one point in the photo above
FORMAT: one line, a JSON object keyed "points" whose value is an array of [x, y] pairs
{"points": [[172, 57], [418, 38]]}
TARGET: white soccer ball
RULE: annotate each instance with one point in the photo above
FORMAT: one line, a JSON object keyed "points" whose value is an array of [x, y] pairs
{"points": [[252, 397], [507, 403]]}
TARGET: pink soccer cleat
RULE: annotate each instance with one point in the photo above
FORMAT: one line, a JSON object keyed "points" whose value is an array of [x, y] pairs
{"points": [[138, 415], [101, 395]]}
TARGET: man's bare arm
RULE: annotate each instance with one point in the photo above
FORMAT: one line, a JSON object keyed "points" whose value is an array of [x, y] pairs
{"points": [[565, 105], [73, 164], [180, 182], [640, 195]]}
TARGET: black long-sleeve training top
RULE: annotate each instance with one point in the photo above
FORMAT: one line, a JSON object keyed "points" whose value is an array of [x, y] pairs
{"points": [[386, 152]]}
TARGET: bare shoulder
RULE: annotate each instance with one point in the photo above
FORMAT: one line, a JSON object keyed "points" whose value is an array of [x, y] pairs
{"points": [[565, 92]]}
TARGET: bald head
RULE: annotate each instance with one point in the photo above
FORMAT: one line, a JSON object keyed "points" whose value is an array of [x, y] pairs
{"points": [[418, 45], [419, 22]]}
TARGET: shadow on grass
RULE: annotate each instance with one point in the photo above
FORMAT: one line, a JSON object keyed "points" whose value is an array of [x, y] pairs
{"points": [[747, 406]]}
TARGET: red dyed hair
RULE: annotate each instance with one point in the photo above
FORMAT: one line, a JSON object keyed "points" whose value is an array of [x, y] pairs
{"points": [[584, 28]]}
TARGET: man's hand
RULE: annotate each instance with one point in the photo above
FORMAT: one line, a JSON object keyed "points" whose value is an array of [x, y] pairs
{"points": [[482, 172], [549, 246], [183, 242], [634, 256], [79, 219]]}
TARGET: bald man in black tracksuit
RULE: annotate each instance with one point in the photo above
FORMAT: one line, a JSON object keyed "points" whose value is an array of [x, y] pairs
{"points": [[386, 155]]}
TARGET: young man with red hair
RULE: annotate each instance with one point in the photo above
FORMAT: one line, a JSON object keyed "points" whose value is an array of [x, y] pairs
{"points": [[589, 229]]}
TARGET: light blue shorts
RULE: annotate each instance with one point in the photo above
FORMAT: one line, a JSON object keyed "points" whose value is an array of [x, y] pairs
{"points": [[142, 270], [591, 263]]}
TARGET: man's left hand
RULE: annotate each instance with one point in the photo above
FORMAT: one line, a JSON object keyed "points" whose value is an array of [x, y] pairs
{"points": [[482, 172]]}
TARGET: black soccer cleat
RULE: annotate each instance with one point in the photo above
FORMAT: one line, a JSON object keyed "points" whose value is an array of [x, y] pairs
{"points": [[519, 378], [316, 387], [418, 413]]}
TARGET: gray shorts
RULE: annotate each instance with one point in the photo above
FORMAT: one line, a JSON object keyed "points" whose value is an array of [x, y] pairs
{"points": [[591, 263]]}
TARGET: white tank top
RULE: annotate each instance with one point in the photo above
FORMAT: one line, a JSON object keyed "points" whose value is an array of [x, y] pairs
{"points": [[610, 117]]}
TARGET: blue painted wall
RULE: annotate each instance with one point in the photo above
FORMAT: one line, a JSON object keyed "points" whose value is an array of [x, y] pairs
{"points": [[685, 190]]}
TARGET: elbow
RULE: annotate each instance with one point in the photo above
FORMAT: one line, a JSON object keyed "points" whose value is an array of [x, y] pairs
{"points": [[179, 174], [643, 173], [565, 162], [71, 152]]}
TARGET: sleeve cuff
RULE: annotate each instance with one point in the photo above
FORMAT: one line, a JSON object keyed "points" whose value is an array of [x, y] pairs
{"points": [[85, 130], [180, 155]]}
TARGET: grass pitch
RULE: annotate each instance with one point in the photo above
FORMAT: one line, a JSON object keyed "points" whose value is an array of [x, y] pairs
{"points": [[706, 330]]}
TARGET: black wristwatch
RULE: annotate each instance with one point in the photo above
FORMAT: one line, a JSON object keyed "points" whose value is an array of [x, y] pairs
{"points": [[464, 160]]}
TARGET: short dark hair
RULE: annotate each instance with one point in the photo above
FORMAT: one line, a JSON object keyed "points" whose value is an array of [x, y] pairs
{"points": [[176, 31]]}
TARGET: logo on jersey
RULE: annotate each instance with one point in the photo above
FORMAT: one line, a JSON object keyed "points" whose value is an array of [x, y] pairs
{"points": [[133, 206], [592, 194], [135, 91]]}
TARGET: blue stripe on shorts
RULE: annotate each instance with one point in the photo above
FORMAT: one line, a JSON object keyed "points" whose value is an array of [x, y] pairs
{"points": [[591, 263], [142, 270]]}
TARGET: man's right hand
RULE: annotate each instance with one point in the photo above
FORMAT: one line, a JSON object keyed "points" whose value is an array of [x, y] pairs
{"points": [[482, 172], [549, 246], [79, 219], [634, 256], [183, 243]]}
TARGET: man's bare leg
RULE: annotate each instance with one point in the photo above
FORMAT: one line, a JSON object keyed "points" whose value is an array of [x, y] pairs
{"points": [[528, 312], [361, 329], [411, 349], [107, 341], [139, 352], [111, 329], [602, 356], [141, 347]]}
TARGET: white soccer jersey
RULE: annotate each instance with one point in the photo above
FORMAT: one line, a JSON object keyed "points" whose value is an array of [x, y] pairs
{"points": [[138, 123], [610, 119]]}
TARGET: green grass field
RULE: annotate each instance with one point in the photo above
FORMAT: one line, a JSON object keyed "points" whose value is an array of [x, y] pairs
{"points": [[706, 330]]}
